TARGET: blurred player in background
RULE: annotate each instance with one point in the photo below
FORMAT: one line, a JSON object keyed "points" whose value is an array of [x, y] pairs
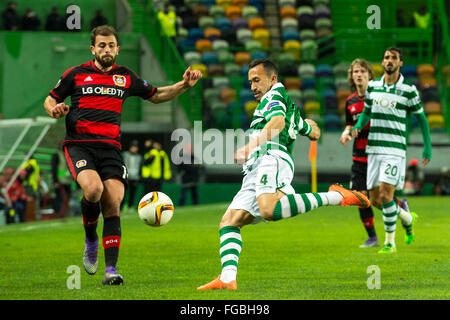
{"points": [[388, 103], [359, 75], [266, 192], [92, 143]]}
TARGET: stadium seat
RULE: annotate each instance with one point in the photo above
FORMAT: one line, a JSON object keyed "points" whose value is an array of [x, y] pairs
{"points": [[217, 12], [258, 55], [191, 3], [217, 105], [293, 47], [196, 34], [223, 3], [296, 96], [429, 94], [239, 3], [322, 12], [203, 45], [182, 34], [432, 108], [242, 58], [286, 3], [341, 83], [216, 70], [308, 83], [309, 95], [250, 12], [206, 22], [246, 95], [186, 45], [306, 70], [244, 71], [286, 64], [326, 83], [409, 71], [324, 70], [332, 122], [223, 24], [289, 24], [425, 70], [343, 94], [436, 121], [259, 4], [201, 67], [220, 83], [288, 12], [220, 45], [212, 34], [228, 95], [208, 3], [192, 57], [304, 10], [253, 46], [307, 34], [292, 83], [323, 32], [239, 23], [233, 12], [209, 58], [225, 57], [341, 69], [200, 11], [287, 35], [323, 23], [311, 107], [263, 36], [309, 50], [427, 82], [211, 95], [243, 35], [377, 70], [255, 23], [250, 107], [232, 70]]}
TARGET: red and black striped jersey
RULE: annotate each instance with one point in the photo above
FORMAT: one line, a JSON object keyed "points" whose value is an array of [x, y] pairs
{"points": [[96, 101], [353, 108]]}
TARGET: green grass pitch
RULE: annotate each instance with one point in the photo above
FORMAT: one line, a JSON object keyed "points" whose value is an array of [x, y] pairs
{"points": [[311, 256]]}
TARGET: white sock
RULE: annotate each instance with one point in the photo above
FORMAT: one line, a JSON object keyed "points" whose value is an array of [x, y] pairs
{"points": [[228, 275], [390, 238], [406, 217], [334, 198]]}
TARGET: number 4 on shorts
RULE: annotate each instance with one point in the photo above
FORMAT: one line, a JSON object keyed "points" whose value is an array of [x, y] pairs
{"points": [[264, 179]]}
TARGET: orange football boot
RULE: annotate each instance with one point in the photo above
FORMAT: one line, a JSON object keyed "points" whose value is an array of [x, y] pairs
{"points": [[219, 284], [351, 197]]}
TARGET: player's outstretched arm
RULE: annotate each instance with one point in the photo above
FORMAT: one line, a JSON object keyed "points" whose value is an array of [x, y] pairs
{"points": [[190, 78], [272, 129], [54, 109], [363, 119], [425, 129]]}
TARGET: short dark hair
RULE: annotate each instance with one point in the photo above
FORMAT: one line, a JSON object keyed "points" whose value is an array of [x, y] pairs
{"points": [[400, 52], [268, 65], [104, 30]]}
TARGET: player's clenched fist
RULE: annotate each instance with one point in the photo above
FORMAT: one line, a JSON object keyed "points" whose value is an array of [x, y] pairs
{"points": [[59, 110]]}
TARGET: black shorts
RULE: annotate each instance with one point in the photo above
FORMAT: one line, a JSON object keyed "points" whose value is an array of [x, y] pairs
{"points": [[106, 160], [358, 177]]}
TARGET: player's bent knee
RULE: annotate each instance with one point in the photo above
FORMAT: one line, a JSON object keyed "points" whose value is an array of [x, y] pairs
{"points": [[93, 192]]}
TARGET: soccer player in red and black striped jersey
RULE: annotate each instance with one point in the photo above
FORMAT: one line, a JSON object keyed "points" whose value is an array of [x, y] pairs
{"points": [[359, 75], [92, 146]]}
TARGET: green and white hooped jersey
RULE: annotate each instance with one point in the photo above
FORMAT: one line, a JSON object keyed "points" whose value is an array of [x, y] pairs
{"points": [[277, 102], [389, 107]]}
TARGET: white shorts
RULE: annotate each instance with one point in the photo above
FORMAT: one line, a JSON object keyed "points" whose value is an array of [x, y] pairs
{"points": [[269, 174], [385, 168]]}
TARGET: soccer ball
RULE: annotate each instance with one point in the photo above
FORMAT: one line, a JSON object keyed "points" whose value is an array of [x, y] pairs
{"points": [[155, 209]]}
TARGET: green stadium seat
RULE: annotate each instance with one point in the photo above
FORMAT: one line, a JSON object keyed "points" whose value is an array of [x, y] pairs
{"points": [[341, 69], [306, 70], [243, 35], [206, 22], [232, 70], [217, 11], [296, 96], [289, 24], [219, 45], [287, 3], [305, 10], [192, 57], [321, 2], [221, 82], [250, 12], [286, 64], [307, 34], [323, 23], [211, 95], [225, 57], [309, 95], [191, 3], [253, 46]]}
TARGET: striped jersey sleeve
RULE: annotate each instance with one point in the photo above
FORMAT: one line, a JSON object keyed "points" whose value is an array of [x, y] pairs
{"points": [[274, 106], [414, 102]]}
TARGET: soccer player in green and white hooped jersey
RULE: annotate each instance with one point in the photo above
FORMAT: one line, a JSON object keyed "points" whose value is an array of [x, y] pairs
{"points": [[388, 104], [266, 192]]}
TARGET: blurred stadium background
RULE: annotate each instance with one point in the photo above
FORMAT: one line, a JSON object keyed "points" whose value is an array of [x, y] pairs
{"points": [[312, 42]]}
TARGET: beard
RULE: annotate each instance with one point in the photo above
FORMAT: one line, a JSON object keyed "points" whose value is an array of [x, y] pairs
{"points": [[390, 71], [106, 61]]}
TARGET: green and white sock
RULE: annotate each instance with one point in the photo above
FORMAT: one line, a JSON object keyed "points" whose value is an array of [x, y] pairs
{"points": [[390, 214], [230, 249], [292, 204]]}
